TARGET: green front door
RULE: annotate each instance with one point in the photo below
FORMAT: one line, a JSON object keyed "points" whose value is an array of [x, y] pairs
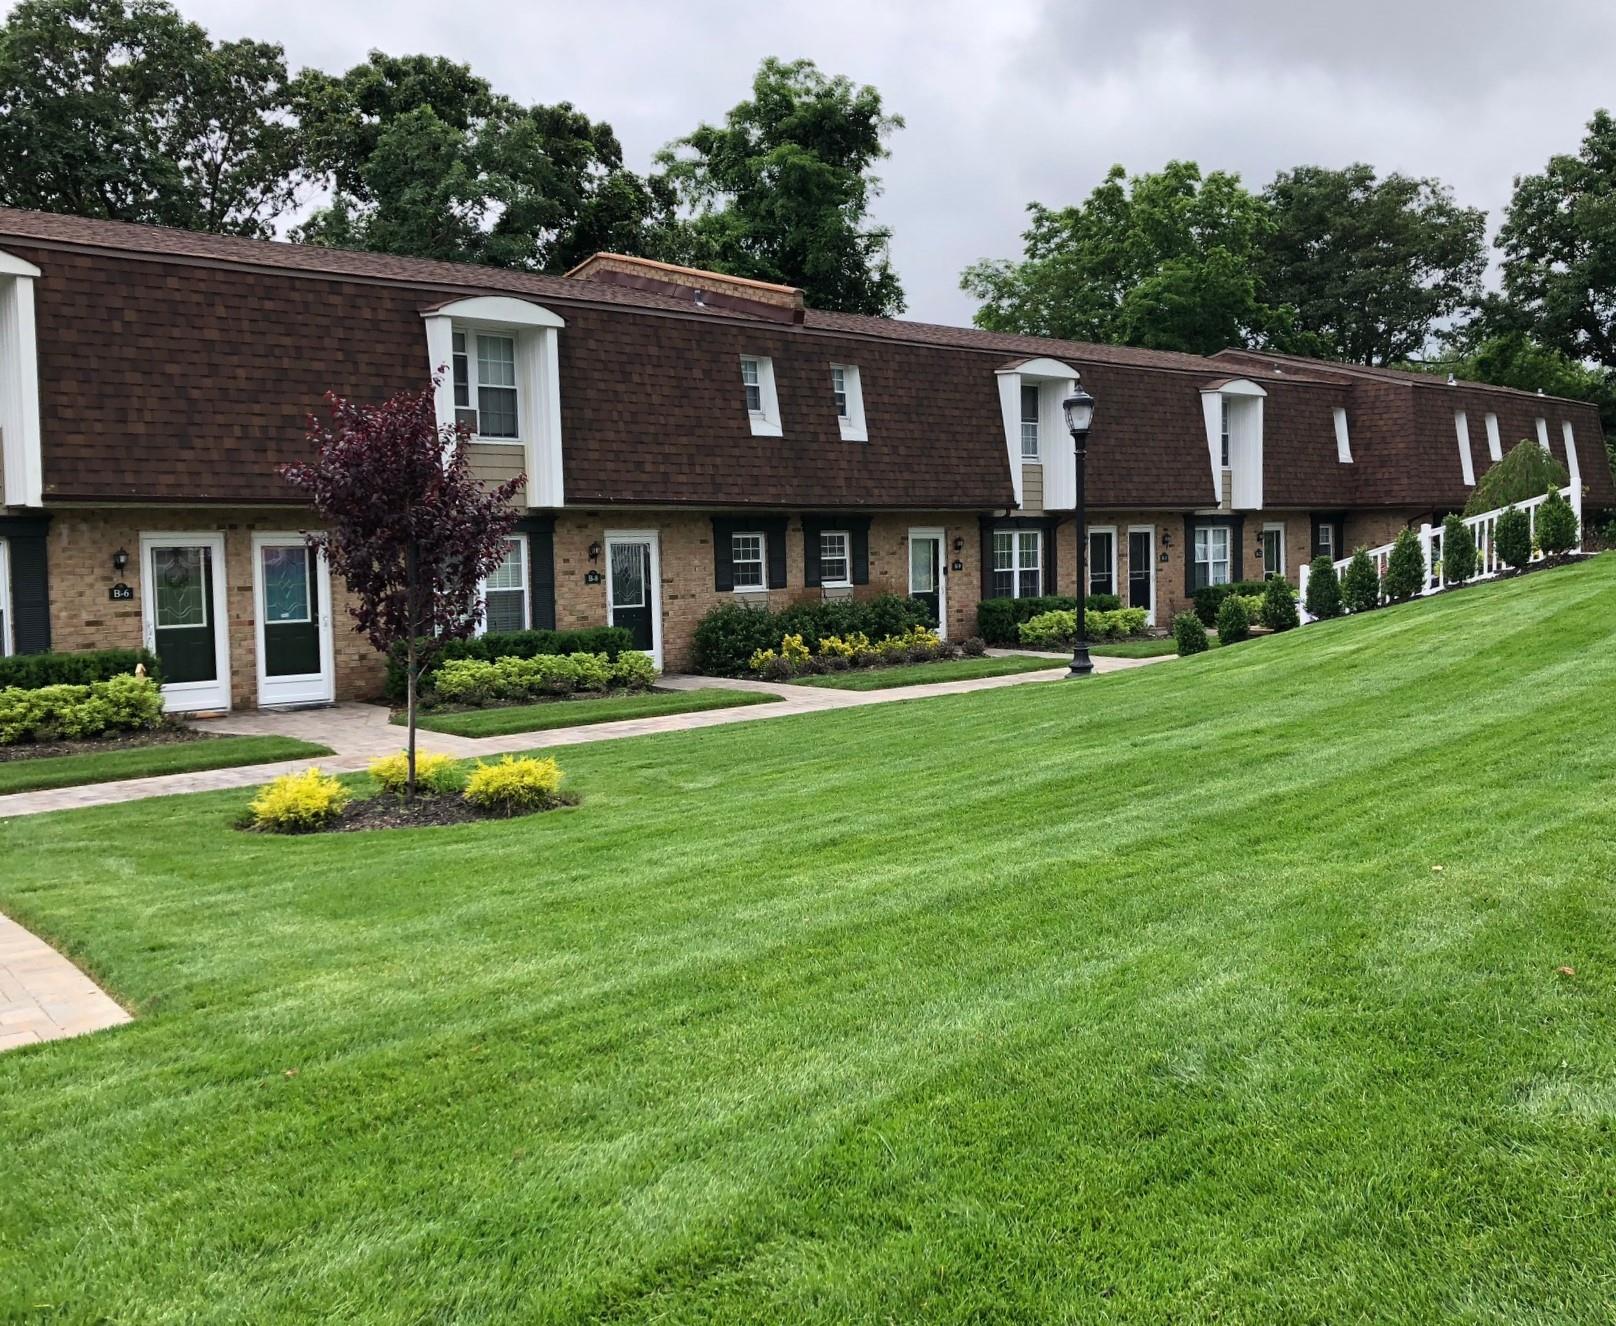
{"points": [[632, 603], [291, 611], [182, 613]]}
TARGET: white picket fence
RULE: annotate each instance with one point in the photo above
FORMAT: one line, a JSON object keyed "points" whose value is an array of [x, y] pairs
{"points": [[1483, 529]]}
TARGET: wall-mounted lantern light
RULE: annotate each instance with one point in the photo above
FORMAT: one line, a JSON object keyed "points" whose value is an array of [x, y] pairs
{"points": [[959, 544], [120, 559], [594, 552]]}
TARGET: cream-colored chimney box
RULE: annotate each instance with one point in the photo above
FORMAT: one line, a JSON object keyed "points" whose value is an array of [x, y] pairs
{"points": [[717, 288]]}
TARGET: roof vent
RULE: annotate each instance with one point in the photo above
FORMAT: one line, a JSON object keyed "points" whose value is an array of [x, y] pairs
{"points": [[1452, 381]]}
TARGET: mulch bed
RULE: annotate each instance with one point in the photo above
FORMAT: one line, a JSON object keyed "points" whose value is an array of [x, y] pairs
{"points": [[167, 735], [426, 812]]}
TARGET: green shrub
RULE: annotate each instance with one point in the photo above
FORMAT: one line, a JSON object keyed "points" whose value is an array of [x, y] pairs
{"points": [[1405, 567], [50, 713], [514, 786], [608, 640], [1189, 634], [728, 636], [634, 671], [299, 803], [1209, 598], [1512, 537], [1278, 611], [1556, 525], [1525, 472], [30, 671], [1103, 602], [1234, 622], [974, 647], [1323, 589], [434, 772], [1060, 627], [1458, 551], [1360, 586]]}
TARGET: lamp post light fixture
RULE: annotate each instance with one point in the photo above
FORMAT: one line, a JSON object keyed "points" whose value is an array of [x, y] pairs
{"points": [[1079, 409]]}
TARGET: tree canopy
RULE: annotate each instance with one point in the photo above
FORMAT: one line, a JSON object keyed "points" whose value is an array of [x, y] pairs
{"points": [[781, 191], [1165, 260], [1371, 269], [121, 109]]}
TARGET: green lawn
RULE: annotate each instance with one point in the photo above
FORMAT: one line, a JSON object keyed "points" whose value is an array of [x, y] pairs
{"points": [[1142, 648], [917, 674], [1221, 991], [576, 713], [104, 766]]}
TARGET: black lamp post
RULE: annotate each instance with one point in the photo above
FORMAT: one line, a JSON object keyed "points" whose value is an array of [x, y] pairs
{"points": [[1079, 407]]}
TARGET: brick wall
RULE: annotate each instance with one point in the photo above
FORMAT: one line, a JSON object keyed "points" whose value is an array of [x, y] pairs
{"points": [[1169, 527], [81, 544], [686, 550]]}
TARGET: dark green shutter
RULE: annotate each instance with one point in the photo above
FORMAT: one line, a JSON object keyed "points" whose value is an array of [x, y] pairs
{"points": [[540, 532], [985, 537], [774, 532], [811, 528], [30, 583], [860, 536], [723, 551], [858, 545]]}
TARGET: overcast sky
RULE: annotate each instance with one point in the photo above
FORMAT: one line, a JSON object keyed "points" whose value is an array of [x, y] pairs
{"points": [[1012, 100]]}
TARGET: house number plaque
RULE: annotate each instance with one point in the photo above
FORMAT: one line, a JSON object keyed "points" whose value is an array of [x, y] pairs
{"points": [[121, 593]]}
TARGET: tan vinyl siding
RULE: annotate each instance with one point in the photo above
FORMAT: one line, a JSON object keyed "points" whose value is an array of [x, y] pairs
{"points": [[495, 464], [1032, 488]]}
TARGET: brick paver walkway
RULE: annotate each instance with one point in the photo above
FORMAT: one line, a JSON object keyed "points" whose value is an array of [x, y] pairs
{"points": [[360, 732], [43, 996]]}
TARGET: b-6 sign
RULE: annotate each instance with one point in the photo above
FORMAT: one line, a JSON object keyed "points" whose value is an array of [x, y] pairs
{"points": [[121, 593]]}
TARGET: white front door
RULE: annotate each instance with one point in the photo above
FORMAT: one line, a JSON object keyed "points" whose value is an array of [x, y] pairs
{"points": [[292, 604], [927, 580], [186, 621], [634, 588]]}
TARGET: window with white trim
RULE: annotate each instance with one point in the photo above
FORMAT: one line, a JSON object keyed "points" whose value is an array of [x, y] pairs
{"points": [[752, 383], [1029, 424], [5, 599], [838, 387], [1225, 461], [1102, 561], [505, 598], [1018, 563], [1327, 539], [835, 557], [1273, 551], [746, 559], [485, 393], [757, 388], [1211, 565]]}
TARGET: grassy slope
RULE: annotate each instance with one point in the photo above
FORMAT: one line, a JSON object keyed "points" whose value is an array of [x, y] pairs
{"points": [[577, 713], [146, 762], [917, 674], [1135, 999]]}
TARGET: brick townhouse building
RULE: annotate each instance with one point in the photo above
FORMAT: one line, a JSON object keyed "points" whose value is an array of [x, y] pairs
{"points": [[687, 439]]}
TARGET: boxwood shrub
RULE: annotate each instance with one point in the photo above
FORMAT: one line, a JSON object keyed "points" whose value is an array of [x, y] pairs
{"points": [[728, 636], [608, 640], [80, 668], [1234, 622], [998, 621], [1189, 634], [1209, 598]]}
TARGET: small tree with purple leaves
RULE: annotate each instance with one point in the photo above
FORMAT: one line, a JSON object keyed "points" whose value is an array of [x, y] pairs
{"points": [[409, 528]]}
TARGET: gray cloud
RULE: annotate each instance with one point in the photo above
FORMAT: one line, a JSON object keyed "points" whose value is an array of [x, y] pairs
{"points": [[1019, 100]]}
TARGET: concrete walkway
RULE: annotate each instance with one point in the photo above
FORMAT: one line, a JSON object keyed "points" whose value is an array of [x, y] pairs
{"points": [[358, 733], [43, 996]]}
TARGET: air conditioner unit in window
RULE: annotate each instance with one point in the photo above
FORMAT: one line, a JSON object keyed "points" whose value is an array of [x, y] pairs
{"points": [[466, 418]]}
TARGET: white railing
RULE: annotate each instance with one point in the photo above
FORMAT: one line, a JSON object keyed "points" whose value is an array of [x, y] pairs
{"points": [[1483, 529]]}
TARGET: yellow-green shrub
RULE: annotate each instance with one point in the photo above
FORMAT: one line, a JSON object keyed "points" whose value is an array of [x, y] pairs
{"points": [[299, 803], [793, 650], [633, 670], [46, 713], [833, 646], [514, 785], [433, 772]]}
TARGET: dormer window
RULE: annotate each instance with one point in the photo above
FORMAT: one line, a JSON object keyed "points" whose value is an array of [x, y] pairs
{"points": [[1225, 461], [847, 390], [762, 405], [1029, 423], [485, 395]]}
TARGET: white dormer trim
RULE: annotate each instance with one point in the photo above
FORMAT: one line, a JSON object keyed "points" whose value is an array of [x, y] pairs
{"points": [[1573, 469], [852, 424], [1343, 442], [1245, 400], [538, 378], [1495, 445], [765, 422], [1543, 433], [1467, 467], [1055, 382], [21, 456]]}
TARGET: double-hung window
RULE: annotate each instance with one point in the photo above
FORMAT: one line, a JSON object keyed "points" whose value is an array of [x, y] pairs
{"points": [[1211, 555], [505, 600], [1018, 563], [1029, 423], [752, 382], [1102, 561], [762, 402], [1327, 540], [1273, 551], [838, 387], [835, 558], [1225, 461], [746, 557], [5, 600], [485, 394]]}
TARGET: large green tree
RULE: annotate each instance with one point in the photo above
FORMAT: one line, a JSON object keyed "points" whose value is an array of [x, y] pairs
{"points": [[781, 191], [423, 157], [124, 110], [1372, 268], [1559, 245], [1165, 260]]}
